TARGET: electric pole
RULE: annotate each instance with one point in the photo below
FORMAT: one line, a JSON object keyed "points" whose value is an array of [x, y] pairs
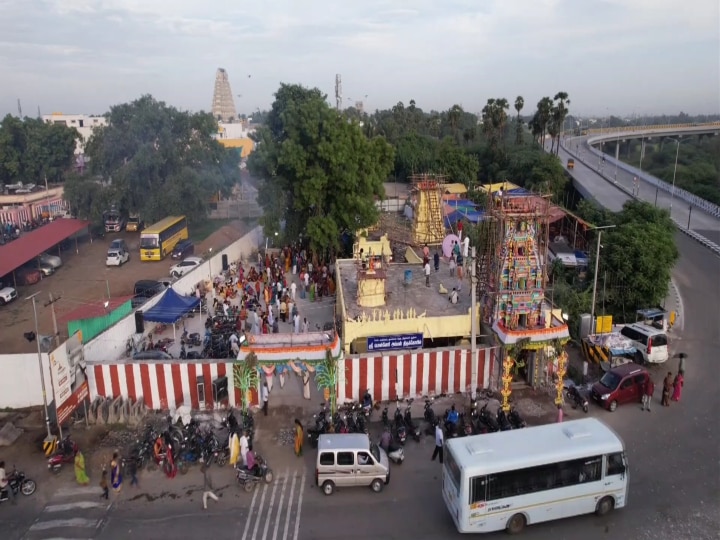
{"points": [[473, 321], [56, 334]]}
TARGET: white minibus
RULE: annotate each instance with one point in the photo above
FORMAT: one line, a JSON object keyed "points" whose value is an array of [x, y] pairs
{"points": [[510, 479]]}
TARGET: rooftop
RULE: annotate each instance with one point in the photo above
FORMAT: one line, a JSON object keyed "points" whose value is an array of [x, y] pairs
{"points": [[401, 295]]}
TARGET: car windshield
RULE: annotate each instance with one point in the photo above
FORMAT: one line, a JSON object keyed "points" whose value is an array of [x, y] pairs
{"points": [[610, 380], [375, 452], [148, 242]]}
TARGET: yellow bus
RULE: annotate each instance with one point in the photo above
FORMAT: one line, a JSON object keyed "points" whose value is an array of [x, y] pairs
{"points": [[159, 239]]}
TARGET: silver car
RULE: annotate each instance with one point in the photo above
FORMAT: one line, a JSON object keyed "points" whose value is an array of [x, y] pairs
{"points": [[52, 260]]}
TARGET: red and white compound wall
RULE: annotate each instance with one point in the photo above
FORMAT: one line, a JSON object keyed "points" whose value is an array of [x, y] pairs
{"points": [[442, 371]]}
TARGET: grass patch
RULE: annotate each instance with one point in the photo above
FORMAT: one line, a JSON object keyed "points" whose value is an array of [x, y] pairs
{"points": [[200, 231]]}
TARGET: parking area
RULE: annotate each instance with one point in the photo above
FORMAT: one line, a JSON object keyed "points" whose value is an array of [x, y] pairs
{"points": [[84, 278]]}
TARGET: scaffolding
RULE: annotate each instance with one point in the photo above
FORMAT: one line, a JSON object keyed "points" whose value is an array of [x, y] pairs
{"points": [[427, 203]]}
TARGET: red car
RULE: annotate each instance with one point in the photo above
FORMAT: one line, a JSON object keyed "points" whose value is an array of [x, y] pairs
{"points": [[622, 384], [28, 276]]}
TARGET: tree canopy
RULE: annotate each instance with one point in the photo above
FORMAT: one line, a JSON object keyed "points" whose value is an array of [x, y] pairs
{"points": [[153, 160], [321, 173], [32, 150]]}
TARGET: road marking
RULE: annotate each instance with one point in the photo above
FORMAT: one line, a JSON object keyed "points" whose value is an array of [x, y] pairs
{"points": [[289, 509], [72, 522], [268, 518], [299, 508], [280, 506], [247, 521], [260, 511], [84, 505], [75, 491]]}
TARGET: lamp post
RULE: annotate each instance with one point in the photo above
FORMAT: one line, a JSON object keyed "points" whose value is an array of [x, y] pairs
{"points": [[40, 364], [595, 276], [677, 152], [210, 266]]}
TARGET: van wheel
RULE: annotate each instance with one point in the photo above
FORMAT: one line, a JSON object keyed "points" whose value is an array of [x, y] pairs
{"points": [[639, 359], [613, 405], [604, 506], [377, 485], [516, 524], [328, 487]]}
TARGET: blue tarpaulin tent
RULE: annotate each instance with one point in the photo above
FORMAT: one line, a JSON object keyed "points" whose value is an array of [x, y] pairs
{"points": [[459, 203], [473, 216], [171, 308]]}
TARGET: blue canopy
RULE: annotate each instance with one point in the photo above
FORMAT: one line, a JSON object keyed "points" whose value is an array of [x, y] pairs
{"points": [[171, 308], [473, 216], [457, 203]]}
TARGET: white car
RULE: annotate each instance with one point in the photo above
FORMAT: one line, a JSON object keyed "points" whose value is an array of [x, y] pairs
{"points": [[182, 268], [117, 257], [46, 268], [7, 295], [52, 260]]}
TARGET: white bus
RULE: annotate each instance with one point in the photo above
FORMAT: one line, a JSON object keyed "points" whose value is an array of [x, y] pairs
{"points": [[511, 479]]}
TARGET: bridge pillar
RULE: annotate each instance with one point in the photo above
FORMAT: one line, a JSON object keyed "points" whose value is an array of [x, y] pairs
{"points": [[617, 150]]}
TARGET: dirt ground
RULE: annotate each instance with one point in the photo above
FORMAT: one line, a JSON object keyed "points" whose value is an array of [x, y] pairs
{"points": [[84, 278]]}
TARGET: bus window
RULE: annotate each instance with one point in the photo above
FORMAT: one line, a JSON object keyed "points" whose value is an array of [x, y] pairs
{"points": [[615, 464], [477, 489], [453, 469]]}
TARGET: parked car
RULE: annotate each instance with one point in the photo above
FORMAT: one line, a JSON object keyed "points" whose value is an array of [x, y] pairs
{"points": [[118, 243], [134, 224], [154, 354], [53, 260], [7, 295], [651, 343], [138, 300], [116, 257], [46, 268], [148, 288], [621, 384], [28, 276], [183, 249], [182, 268]]}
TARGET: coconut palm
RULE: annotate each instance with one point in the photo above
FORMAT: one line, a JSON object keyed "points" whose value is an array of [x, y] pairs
{"points": [[519, 104]]}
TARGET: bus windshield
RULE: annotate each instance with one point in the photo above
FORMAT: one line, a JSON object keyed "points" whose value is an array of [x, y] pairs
{"points": [[149, 242]]}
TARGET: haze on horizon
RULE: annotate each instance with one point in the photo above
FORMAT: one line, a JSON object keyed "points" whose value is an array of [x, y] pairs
{"points": [[613, 57]]}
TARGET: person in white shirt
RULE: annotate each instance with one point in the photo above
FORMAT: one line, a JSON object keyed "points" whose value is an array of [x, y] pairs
{"points": [[427, 274], [439, 440], [265, 393], [234, 347], [293, 288], [296, 323], [453, 296], [244, 446], [305, 326]]}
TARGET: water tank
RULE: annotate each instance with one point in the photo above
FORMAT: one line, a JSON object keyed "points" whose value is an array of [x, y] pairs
{"points": [[408, 277]]}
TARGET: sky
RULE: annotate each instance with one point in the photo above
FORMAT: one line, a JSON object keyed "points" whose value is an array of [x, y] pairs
{"points": [[613, 57]]}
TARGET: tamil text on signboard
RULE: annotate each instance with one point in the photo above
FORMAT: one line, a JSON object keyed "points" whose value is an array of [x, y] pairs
{"points": [[394, 343]]}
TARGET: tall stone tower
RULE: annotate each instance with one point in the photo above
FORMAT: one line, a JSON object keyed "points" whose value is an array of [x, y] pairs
{"points": [[223, 105]]}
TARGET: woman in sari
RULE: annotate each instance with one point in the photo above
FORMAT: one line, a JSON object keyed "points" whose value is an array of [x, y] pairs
{"points": [[115, 473], [299, 438], [80, 474], [234, 443], [677, 386]]}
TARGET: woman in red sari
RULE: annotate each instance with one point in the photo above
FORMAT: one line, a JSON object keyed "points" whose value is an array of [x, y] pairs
{"points": [[677, 386]]}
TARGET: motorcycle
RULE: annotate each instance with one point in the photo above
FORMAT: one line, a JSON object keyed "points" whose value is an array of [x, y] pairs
{"points": [[17, 482], [400, 428], [412, 428], [503, 421], [465, 428], [367, 403], [395, 453], [385, 419], [429, 413], [65, 454], [577, 399], [248, 479], [515, 419], [488, 419]]}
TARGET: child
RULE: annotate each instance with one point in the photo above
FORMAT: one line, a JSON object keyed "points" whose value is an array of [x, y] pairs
{"points": [[104, 485]]}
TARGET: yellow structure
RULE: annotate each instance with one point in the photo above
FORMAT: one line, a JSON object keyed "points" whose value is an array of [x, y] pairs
{"points": [[246, 146], [371, 288], [494, 188], [455, 189], [371, 246], [426, 200]]}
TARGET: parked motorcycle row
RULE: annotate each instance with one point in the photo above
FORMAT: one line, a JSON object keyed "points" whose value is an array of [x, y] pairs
{"points": [[216, 343]]}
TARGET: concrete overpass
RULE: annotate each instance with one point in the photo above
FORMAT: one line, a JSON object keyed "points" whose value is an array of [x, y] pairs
{"points": [[696, 217]]}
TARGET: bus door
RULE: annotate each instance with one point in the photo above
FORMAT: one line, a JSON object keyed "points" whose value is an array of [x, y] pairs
{"points": [[615, 479]]}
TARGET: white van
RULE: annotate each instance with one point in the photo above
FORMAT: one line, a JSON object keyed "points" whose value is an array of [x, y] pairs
{"points": [[350, 459], [650, 342]]}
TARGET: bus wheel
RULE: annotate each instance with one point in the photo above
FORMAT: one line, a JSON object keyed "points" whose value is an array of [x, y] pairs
{"points": [[604, 506], [516, 524]]}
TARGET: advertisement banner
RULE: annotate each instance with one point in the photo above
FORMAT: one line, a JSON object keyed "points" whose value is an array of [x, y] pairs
{"points": [[76, 398], [394, 343], [67, 365]]}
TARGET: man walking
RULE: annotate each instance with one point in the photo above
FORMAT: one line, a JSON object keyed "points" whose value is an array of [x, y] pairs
{"points": [[265, 397], [439, 439], [647, 394], [427, 273], [207, 488]]}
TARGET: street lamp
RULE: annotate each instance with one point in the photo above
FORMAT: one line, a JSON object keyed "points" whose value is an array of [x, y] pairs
{"points": [[597, 264], [210, 266], [40, 364], [677, 152]]}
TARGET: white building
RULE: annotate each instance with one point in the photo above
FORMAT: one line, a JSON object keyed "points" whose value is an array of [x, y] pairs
{"points": [[85, 125]]}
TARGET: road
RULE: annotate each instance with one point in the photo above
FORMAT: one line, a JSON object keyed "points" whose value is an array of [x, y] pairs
{"points": [[673, 452]]}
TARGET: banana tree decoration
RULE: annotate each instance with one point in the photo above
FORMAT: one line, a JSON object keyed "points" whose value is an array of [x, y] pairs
{"points": [[562, 363], [326, 377], [508, 365], [245, 377]]}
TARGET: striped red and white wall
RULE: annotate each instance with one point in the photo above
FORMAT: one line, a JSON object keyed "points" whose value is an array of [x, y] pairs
{"points": [[16, 215], [163, 385], [392, 376]]}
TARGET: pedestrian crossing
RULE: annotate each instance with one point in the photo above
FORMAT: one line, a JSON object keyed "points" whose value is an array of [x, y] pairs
{"points": [[275, 509], [73, 513]]}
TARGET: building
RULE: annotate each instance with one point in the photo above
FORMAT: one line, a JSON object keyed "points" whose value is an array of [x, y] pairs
{"points": [[84, 124], [512, 278], [236, 135], [223, 104], [34, 204]]}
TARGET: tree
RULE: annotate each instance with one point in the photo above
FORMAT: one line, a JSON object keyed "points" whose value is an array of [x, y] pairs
{"points": [[32, 151], [329, 171], [519, 104], [558, 115], [457, 164], [543, 117], [155, 160]]}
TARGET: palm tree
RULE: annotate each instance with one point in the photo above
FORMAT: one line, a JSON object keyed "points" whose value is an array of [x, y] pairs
{"points": [[488, 126], [560, 113], [519, 104], [500, 117], [544, 107], [454, 115]]}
